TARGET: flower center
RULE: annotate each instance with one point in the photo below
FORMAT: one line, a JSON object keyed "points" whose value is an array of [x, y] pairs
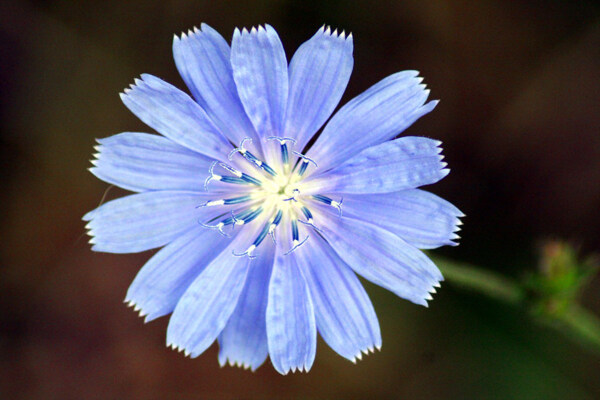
{"points": [[273, 193]]}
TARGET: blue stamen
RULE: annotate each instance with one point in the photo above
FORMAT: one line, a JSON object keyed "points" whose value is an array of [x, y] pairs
{"points": [[294, 230], [240, 178], [251, 157], [304, 158], [307, 213], [322, 199], [274, 224], [284, 154], [237, 200], [303, 167], [309, 219], [268, 169], [246, 253], [329, 202], [247, 216], [295, 193], [278, 217], [282, 140], [218, 226], [250, 179], [295, 246], [262, 235], [240, 149]]}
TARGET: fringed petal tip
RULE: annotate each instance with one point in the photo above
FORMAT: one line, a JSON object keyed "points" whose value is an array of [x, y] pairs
{"points": [[294, 369], [223, 361], [195, 31], [430, 292], [137, 308], [325, 30], [181, 349], [255, 30], [366, 352], [144, 82]]}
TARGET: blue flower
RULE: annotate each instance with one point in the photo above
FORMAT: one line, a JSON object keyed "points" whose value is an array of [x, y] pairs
{"points": [[239, 153]]}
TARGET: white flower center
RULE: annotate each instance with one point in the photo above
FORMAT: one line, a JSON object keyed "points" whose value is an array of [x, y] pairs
{"points": [[276, 195]]}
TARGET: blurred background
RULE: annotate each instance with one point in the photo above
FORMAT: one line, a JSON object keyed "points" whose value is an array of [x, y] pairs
{"points": [[519, 118]]}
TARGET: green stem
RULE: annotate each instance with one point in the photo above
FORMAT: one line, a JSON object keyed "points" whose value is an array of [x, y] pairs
{"points": [[584, 326], [480, 280], [576, 322]]}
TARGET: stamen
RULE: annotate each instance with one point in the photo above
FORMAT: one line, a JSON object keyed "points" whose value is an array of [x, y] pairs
{"points": [[218, 227], [295, 193], [251, 157], [330, 202], [282, 140], [240, 149], [307, 214], [242, 180], [248, 252], [231, 169], [309, 219], [304, 158], [303, 167], [212, 175], [274, 224], [295, 242], [285, 157], [284, 149], [240, 175], [262, 235], [235, 200], [246, 218]]}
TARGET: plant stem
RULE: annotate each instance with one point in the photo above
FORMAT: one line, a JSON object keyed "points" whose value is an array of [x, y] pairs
{"points": [[576, 322], [480, 280]]}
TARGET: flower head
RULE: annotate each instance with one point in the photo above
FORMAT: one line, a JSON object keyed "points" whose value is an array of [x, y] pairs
{"points": [[262, 232]]}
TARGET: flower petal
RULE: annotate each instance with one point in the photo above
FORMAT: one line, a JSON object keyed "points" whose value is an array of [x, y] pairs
{"points": [[140, 161], [381, 257], [291, 328], [175, 115], [319, 73], [261, 75], [344, 314], [400, 164], [144, 221], [244, 340], [162, 281], [422, 219], [203, 60], [207, 304], [378, 114]]}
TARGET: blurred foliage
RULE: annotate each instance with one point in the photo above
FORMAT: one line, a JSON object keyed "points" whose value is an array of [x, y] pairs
{"points": [[550, 294]]}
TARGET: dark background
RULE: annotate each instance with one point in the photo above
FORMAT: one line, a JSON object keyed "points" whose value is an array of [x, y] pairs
{"points": [[519, 117]]}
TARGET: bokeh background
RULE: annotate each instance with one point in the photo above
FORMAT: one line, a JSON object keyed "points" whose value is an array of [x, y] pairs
{"points": [[519, 117]]}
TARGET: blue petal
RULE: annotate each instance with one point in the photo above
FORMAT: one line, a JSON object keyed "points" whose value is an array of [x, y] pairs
{"points": [[291, 329], [400, 164], [175, 115], [261, 76], [344, 314], [382, 257], [203, 60], [207, 304], [140, 161], [378, 114], [319, 73], [165, 277], [422, 219], [144, 221], [244, 340]]}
